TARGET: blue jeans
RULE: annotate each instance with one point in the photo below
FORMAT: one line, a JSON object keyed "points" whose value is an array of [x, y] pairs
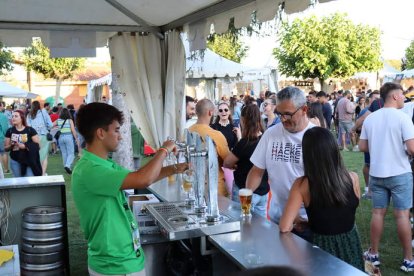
{"points": [[67, 148], [16, 169], [259, 203], [399, 188]]}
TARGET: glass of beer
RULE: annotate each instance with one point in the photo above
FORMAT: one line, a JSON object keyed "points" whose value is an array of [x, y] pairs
{"points": [[188, 177], [245, 201]]}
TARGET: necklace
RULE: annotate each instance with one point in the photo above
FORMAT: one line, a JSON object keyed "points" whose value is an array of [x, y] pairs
{"points": [[224, 124]]}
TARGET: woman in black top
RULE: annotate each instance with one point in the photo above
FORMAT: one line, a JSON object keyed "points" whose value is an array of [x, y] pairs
{"points": [[23, 143], [239, 158], [224, 124], [330, 195]]}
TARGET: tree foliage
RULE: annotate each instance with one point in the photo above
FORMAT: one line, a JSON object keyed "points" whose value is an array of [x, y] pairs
{"points": [[327, 47], [6, 59], [409, 56], [37, 58], [228, 46]]}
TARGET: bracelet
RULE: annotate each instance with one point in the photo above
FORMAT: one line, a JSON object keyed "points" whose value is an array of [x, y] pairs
{"points": [[164, 150]]}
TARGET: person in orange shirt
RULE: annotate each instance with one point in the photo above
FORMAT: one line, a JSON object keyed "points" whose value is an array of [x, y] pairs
{"points": [[205, 110]]}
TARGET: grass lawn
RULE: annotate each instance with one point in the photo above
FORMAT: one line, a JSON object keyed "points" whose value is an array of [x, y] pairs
{"points": [[390, 250]]}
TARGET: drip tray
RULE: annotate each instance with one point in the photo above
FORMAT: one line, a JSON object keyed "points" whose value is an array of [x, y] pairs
{"points": [[177, 221]]}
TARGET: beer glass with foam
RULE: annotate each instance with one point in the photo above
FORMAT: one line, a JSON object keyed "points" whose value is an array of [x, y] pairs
{"points": [[245, 201]]}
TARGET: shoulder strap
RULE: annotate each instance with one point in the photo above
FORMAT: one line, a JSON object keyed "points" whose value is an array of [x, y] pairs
{"points": [[63, 123]]}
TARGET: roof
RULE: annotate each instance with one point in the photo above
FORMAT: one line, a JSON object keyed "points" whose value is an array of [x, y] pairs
{"points": [[88, 24]]}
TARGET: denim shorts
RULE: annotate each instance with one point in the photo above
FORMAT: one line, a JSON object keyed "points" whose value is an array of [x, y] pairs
{"points": [[2, 148], [367, 158], [346, 127], [399, 188]]}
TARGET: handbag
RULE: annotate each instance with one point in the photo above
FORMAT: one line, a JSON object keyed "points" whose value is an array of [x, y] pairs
{"points": [[49, 136], [57, 135]]}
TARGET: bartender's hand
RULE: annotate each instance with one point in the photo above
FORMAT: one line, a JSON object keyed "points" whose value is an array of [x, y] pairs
{"points": [[170, 146], [181, 167]]}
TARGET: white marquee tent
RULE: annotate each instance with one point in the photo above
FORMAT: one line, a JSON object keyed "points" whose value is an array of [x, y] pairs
{"points": [[150, 71], [9, 91]]}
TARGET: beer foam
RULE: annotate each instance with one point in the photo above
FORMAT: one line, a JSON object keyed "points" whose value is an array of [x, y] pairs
{"points": [[245, 192]]}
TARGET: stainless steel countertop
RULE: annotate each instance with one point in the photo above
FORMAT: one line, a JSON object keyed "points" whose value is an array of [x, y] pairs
{"points": [[32, 181], [259, 243]]}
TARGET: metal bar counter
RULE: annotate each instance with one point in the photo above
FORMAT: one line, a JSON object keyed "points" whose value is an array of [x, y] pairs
{"points": [[260, 243]]}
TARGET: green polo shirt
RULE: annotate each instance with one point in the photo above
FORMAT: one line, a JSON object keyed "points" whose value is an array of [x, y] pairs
{"points": [[96, 184]]}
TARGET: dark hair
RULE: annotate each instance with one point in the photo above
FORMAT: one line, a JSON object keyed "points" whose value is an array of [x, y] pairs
{"points": [[375, 92], [188, 99], [70, 106], [315, 110], [34, 109], [267, 94], [233, 103], [329, 181], [59, 104], [321, 94], [65, 114], [252, 122], [96, 115], [22, 116], [55, 109], [46, 104], [387, 87], [313, 93]]}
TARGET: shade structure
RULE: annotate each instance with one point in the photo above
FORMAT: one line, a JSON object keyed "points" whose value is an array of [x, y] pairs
{"points": [[9, 91]]}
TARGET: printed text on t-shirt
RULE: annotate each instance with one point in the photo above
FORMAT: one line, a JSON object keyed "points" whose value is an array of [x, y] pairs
{"points": [[286, 152]]}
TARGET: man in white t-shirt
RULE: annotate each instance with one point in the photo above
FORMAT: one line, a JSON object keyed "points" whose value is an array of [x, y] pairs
{"points": [[388, 135], [280, 152]]}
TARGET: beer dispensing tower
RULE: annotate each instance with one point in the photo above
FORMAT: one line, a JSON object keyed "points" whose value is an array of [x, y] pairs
{"points": [[201, 216]]}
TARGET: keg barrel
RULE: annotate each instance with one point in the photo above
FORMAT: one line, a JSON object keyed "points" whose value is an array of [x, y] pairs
{"points": [[42, 248]]}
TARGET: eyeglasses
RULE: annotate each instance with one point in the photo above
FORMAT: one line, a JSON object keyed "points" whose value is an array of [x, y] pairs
{"points": [[288, 116], [225, 110], [266, 104]]}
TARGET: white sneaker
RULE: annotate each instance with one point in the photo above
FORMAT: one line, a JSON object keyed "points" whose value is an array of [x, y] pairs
{"points": [[356, 148]]}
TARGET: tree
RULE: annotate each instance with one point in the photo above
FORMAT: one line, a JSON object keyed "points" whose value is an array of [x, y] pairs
{"points": [[37, 58], [327, 47], [6, 59], [409, 56], [227, 45]]}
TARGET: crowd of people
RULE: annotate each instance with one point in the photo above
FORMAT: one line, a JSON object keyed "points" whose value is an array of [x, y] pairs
{"points": [[29, 133], [289, 144], [285, 145]]}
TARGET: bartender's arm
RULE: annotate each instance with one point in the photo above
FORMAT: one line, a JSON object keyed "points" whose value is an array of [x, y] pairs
{"points": [[254, 178], [153, 171]]}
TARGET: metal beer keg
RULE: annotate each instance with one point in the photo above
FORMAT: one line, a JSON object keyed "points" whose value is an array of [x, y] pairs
{"points": [[42, 241]]}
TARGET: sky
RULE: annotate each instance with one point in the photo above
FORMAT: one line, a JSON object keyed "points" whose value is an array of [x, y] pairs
{"points": [[394, 18]]}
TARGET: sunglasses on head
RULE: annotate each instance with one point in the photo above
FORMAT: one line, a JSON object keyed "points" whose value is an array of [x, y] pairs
{"points": [[225, 110]]}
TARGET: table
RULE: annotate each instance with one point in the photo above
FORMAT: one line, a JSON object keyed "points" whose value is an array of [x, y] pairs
{"points": [[260, 243], [12, 267]]}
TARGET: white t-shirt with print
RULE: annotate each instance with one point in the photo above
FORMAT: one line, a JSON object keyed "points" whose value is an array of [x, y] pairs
{"points": [[280, 153], [386, 131]]}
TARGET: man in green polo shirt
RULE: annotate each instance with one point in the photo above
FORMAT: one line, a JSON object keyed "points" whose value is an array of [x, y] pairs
{"points": [[97, 185]]}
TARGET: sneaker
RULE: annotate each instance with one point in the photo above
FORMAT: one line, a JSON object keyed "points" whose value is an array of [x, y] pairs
{"points": [[356, 148], [372, 258], [68, 170], [345, 149], [407, 265], [7, 171]]}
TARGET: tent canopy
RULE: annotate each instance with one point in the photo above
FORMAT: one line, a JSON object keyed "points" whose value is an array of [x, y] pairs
{"points": [[80, 24], [9, 91]]}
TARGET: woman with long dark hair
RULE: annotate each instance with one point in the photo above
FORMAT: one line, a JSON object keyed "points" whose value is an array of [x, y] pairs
{"points": [[40, 120], [239, 158], [330, 195], [315, 114], [23, 143], [235, 111], [67, 133], [224, 124]]}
